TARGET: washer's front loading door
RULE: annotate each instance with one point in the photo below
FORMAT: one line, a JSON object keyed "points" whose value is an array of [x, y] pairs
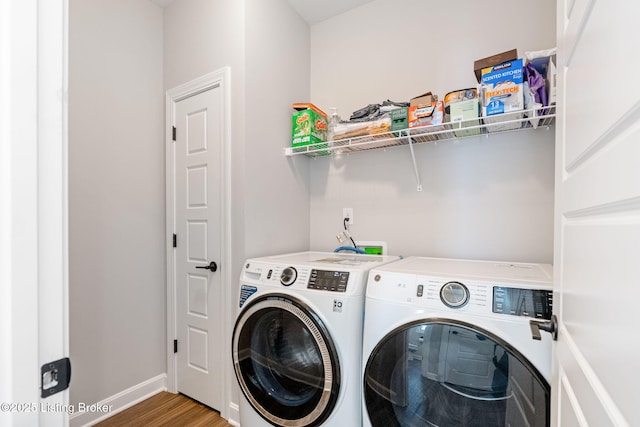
{"points": [[454, 374], [285, 362]]}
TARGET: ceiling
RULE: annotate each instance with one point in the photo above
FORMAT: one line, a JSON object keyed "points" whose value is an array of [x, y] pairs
{"points": [[312, 11], [162, 3]]}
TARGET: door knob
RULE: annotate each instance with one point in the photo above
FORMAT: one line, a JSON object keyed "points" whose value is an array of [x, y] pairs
{"points": [[550, 326], [212, 266]]}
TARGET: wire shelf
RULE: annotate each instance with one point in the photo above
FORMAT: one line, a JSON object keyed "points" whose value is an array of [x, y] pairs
{"points": [[507, 122]]}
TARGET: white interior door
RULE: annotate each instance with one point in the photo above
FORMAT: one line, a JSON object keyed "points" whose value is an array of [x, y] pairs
{"points": [[597, 355], [198, 228]]}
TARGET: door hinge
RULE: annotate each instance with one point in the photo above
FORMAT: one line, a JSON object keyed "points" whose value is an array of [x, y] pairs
{"points": [[175, 240], [55, 377], [175, 346], [174, 133]]}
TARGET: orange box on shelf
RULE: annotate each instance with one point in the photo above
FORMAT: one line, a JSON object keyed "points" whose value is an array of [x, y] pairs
{"points": [[426, 115]]}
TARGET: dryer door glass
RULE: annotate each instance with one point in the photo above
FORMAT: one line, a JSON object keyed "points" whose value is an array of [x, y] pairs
{"points": [[452, 374], [285, 362]]}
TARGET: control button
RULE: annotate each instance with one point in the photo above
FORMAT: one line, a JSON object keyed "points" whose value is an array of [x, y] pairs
{"points": [[420, 291], [288, 276], [454, 294]]}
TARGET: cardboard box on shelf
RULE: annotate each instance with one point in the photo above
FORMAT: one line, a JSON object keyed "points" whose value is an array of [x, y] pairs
{"points": [[309, 125], [426, 115], [480, 64], [424, 99], [425, 110], [423, 115], [465, 112], [457, 96], [502, 93]]}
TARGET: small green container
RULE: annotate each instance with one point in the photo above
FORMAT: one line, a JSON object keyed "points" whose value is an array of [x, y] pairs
{"points": [[399, 119]]}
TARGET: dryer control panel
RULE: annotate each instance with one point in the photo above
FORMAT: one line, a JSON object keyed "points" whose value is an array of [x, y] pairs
{"points": [[536, 303]]}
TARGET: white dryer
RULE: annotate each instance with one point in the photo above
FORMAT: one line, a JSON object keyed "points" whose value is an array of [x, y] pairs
{"points": [[450, 343], [297, 340]]}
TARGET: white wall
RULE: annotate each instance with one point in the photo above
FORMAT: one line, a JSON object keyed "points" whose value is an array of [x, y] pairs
{"points": [[270, 200], [483, 198], [277, 187], [201, 36], [116, 192]]}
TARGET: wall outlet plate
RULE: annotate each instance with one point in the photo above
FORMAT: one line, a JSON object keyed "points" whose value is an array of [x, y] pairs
{"points": [[347, 213]]}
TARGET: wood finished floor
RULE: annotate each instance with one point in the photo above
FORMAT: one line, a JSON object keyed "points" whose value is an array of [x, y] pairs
{"points": [[166, 409]]}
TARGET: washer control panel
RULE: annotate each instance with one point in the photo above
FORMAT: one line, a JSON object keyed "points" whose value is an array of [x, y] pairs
{"points": [[334, 281]]}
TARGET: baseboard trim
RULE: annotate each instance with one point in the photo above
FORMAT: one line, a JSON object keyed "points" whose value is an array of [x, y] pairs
{"points": [[234, 414], [117, 403]]}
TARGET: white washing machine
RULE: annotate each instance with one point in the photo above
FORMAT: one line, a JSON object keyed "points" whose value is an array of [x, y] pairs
{"points": [[297, 340], [449, 343]]}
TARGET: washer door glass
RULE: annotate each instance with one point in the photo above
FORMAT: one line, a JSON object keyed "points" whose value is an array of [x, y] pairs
{"points": [[285, 362], [445, 373]]}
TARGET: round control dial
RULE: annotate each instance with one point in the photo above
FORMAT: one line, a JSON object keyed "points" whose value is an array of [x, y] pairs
{"points": [[288, 276], [454, 294]]}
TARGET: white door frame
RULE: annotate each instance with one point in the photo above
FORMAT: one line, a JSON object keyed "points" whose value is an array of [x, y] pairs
{"points": [[33, 207], [220, 78]]}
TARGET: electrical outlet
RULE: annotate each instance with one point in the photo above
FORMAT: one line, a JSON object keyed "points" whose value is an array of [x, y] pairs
{"points": [[347, 213]]}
